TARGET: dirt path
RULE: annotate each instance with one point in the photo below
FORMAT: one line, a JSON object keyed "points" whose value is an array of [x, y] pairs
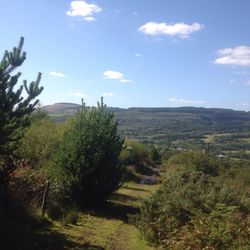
{"points": [[127, 237], [121, 238]]}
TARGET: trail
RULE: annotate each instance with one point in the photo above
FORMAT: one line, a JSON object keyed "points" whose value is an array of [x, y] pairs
{"points": [[127, 236]]}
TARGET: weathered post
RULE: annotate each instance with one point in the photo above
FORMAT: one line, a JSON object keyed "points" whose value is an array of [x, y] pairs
{"points": [[45, 194]]}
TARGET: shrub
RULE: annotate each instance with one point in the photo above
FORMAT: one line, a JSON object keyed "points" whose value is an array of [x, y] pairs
{"points": [[154, 155], [196, 161], [181, 201], [135, 152], [41, 141], [86, 166], [26, 185], [224, 228], [63, 212]]}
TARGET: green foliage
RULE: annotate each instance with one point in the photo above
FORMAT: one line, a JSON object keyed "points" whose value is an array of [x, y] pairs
{"points": [[41, 141], [135, 152], [7, 165], [86, 166], [138, 152], [224, 228], [154, 155], [38, 115], [197, 161], [14, 108], [180, 203], [185, 127], [26, 185]]}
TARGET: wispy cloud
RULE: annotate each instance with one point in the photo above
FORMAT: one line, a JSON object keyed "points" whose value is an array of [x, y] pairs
{"points": [[77, 93], [239, 56], [89, 18], [240, 73], [125, 80], [138, 55], [108, 94], [115, 75], [83, 9], [57, 74], [181, 30], [185, 102], [248, 83]]}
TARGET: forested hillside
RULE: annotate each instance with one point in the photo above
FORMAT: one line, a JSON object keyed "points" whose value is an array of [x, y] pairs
{"points": [[185, 127]]}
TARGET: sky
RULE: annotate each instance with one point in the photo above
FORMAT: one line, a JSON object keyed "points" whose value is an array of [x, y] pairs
{"points": [[134, 53]]}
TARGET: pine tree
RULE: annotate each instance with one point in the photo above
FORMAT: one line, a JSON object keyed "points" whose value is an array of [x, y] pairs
{"points": [[14, 109], [87, 162]]}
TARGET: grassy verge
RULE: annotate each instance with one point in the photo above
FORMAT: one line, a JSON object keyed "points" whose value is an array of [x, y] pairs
{"points": [[105, 227]]}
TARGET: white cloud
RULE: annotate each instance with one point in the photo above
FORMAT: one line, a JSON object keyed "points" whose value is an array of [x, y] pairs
{"points": [[115, 75], [110, 74], [78, 93], [239, 56], [181, 30], [185, 102], [232, 81], [108, 94], [83, 9], [57, 74], [125, 80], [137, 55]]}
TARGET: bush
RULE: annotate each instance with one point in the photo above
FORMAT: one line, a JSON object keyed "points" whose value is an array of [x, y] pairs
{"points": [[135, 152], [65, 213], [186, 199], [223, 228], [196, 161], [154, 155], [86, 166], [41, 141]]}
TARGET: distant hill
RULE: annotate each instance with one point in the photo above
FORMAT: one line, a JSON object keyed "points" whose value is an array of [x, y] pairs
{"points": [[159, 125], [63, 108]]}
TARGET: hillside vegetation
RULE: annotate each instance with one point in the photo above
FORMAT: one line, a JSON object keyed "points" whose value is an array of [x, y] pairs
{"points": [[116, 179], [202, 203], [227, 131]]}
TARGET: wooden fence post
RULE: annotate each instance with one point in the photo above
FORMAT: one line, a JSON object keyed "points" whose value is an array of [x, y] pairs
{"points": [[45, 194]]}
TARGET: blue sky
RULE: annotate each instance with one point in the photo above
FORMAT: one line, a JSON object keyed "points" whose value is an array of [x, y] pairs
{"points": [[140, 53]]}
